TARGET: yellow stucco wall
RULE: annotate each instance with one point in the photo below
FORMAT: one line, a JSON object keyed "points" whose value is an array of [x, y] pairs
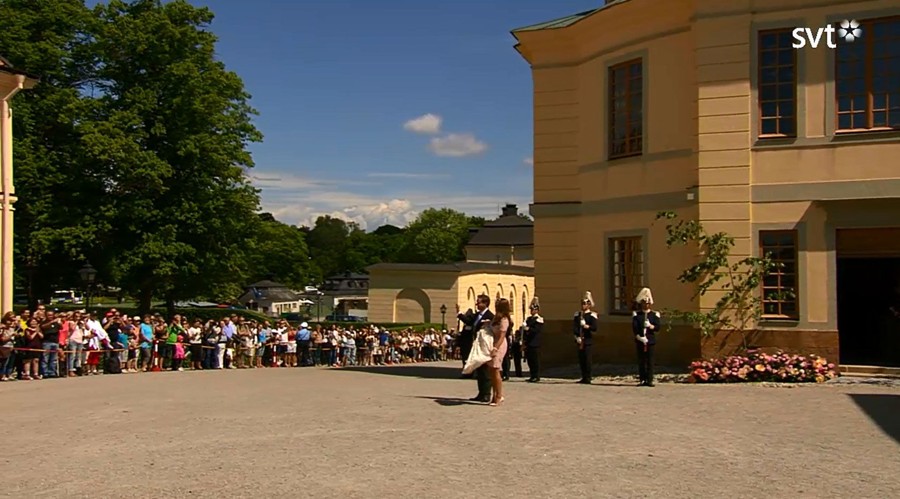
{"points": [[701, 155], [400, 295]]}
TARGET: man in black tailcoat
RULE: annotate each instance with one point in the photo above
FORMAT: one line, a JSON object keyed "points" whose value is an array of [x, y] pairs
{"points": [[534, 326], [476, 320]]}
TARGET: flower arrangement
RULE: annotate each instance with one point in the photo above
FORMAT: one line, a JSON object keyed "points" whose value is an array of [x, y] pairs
{"points": [[780, 367]]}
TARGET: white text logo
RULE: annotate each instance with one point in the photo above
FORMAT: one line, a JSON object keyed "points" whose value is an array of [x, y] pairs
{"points": [[847, 31]]}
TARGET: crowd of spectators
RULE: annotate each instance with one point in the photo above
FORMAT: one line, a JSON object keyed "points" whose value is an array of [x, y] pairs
{"points": [[50, 344]]}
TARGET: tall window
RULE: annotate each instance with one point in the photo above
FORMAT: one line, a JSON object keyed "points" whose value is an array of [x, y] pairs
{"points": [[626, 272], [777, 84], [867, 78], [626, 109], [780, 286]]}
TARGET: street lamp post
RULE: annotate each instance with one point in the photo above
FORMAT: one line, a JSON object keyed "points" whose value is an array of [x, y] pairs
{"points": [[88, 273], [443, 316], [319, 306]]}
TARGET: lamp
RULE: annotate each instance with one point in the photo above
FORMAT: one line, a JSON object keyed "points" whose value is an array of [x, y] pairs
{"points": [[88, 273], [443, 314]]}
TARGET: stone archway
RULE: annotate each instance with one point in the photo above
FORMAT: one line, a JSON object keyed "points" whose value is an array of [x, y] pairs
{"points": [[412, 305]]}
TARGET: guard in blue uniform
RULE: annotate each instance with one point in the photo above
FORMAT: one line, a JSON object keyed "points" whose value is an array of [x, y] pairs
{"points": [[534, 326], [644, 324], [584, 325]]}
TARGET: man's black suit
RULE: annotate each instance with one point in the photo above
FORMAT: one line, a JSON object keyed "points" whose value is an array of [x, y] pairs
{"points": [[483, 372], [534, 325], [466, 334]]}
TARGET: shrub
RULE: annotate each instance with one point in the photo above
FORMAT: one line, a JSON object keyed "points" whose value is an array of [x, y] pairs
{"points": [[780, 367]]}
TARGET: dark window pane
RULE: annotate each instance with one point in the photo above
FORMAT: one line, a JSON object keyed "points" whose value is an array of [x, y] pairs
{"points": [[844, 104], [769, 126], [769, 109], [768, 92], [859, 103], [844, 122], [786, 74], [768, 58], [787, 126], [785, 57], [768, 40], [768, 75], [894, 118], [786, 108], [785, 91], [879, 119]]}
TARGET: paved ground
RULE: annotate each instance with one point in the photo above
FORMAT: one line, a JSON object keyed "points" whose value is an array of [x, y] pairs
{"points": [[407, 432]]}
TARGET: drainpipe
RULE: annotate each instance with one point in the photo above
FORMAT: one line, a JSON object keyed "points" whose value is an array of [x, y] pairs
{"points": [[7, 196]]}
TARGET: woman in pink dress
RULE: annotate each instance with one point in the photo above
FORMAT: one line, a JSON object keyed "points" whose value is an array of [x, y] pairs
{"points": [[499, 327]]}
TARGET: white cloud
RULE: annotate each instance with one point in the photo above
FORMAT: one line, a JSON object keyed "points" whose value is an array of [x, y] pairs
{"points": [[528, 161], [457, 145], [429, 124], [300, 200]]}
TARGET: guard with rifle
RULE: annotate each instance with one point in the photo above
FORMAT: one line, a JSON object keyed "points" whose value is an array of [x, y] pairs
{"points": [[644, 325], [584, 325]]}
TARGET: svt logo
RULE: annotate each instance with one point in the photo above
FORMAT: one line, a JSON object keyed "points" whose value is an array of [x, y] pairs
{"points": [[848, 31]]}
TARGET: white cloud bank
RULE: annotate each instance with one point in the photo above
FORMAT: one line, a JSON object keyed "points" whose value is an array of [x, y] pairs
{"points": [[427, 124], [457, 145], [298, 200]]}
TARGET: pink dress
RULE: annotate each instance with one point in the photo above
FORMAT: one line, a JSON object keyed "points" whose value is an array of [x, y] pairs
{"points": [[501, 328]]}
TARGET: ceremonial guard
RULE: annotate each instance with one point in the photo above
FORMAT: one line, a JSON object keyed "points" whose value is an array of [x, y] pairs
{"points": [[584, 325], [644, 325], [531, 339]]}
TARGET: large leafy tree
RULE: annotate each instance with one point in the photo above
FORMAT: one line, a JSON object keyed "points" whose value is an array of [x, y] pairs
{"points": [[169, 141], [436, 236], [56, 216], [279, 251]]}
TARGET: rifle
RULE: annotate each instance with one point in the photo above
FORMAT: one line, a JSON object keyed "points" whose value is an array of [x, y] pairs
{"points": [[581, 332]]}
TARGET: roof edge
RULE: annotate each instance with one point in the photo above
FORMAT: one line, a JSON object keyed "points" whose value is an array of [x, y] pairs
{"points": [[561, 22]]}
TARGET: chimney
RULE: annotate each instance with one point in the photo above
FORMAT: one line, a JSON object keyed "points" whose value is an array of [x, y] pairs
{"points": [[510, 210]]}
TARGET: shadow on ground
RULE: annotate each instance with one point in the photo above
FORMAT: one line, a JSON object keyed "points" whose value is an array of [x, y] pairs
{"points": [[449, 401], [425, 370], [882, 409]]}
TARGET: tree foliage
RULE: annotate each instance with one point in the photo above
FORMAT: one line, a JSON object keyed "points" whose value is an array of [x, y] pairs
{"points": [[437, 235], [740, 306]]}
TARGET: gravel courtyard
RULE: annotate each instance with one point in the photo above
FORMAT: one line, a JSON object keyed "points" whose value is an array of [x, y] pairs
{"points": [[407, 431]]}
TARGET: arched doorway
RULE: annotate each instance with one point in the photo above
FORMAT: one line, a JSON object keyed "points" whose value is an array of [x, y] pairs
{"points": [[412, 305]]}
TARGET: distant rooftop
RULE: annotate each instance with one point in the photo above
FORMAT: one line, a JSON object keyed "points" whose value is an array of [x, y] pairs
{"points": [[569, 20], [511, 229]]}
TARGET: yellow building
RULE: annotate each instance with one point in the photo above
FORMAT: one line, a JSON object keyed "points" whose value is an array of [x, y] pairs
{"points": [[11, 82], [498, 264], [707, 109]]}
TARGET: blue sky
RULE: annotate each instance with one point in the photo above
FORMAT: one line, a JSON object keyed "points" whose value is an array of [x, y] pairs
{"points": [[335, 81]]}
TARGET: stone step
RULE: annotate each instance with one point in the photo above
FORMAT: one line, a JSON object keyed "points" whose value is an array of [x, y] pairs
{"points": [[870, 371]]}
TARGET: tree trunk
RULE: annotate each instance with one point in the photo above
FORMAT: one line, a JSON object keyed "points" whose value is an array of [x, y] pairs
{"points": [[170, 306], [146, 301]]}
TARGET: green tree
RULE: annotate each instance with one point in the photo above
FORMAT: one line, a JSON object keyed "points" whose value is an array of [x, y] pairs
{"points": [[436, 236], [278, 249], [327, 242], [740, 304], [168, 142], [56, 217]]}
